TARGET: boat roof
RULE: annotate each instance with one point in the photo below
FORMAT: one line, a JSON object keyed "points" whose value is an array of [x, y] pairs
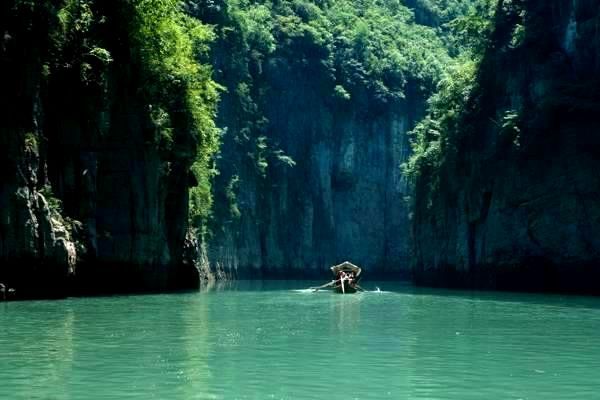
{"points": [[346, 266]]}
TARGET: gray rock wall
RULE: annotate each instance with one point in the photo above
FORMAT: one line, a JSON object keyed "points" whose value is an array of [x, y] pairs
{"points": [[88, 201], [343, 200], [522, 211]]}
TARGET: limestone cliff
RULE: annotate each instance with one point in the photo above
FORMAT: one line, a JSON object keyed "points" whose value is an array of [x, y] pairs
{"points": [[343, 198], [91, 198], [315, 118], [515, 200]]}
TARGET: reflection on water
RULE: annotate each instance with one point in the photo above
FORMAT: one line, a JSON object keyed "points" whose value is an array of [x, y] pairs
{"points": [[256, 340]]}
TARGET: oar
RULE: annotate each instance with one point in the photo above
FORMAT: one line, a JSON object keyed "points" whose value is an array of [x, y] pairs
{"points": [[322, 286]]}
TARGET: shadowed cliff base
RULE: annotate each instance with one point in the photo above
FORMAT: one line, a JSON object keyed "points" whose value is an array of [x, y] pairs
{"points": [[93, 279], [289, 273], [533, 275], [34, 280]]}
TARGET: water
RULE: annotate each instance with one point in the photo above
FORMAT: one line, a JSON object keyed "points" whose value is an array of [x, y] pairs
{"points": [[259, 340]]}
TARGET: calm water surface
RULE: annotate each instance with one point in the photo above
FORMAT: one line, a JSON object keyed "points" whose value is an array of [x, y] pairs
{"points": [[265, 340]]}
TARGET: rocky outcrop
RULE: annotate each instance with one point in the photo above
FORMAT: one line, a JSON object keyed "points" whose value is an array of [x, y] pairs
{"points": [[38, 249], [515, 204]]}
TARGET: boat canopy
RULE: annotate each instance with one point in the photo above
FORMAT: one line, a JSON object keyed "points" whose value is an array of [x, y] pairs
{"points": [[346, 266]]}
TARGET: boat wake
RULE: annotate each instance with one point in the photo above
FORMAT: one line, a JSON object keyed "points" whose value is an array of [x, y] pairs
{"points": [[376, 290], [303, 290]]}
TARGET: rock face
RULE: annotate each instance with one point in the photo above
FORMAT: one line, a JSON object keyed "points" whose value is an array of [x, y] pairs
{"points": [[343, 198], [35, 241], [122, 215], [316, 115], [516, 205]]}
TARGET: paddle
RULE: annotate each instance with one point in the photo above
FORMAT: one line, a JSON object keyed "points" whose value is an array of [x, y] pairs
{"points": [[314, 289]]}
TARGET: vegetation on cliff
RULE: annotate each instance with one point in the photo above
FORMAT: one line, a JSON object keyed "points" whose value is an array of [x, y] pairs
{"points": [[361, 57], [468, 36], [504, 193], [84, 42], [111, 118], [180, 89]]}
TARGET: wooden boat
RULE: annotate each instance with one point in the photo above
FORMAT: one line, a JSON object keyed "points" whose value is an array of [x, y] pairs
{"points": [[345, 279], [346, 276], [345, 288]]}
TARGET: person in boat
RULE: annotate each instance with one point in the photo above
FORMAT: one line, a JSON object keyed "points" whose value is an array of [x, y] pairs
{"points": [[345, 272], [350, 279], [349, 276]]}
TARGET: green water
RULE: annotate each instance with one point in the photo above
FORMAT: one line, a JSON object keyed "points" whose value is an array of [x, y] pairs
{"points": [[259, 340]]}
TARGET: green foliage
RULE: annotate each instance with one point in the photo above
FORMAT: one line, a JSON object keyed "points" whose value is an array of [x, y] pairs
{"points": [[283, 158], [162, 121], [54, 203], [31, 143], [470, 32], [378, 46], [231, 195], [260, 155], [443, 11], [101, 54], [510, 126], [200, 196], [255, 22], [431, 137], [341, 93], [169, 44], [263, 153], [518, 36], [375, 46], [182, 93], [76, 45], [434, 139]]}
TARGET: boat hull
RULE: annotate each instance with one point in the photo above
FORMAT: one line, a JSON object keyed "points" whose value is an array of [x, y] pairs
{"points": [[347, 289]]}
